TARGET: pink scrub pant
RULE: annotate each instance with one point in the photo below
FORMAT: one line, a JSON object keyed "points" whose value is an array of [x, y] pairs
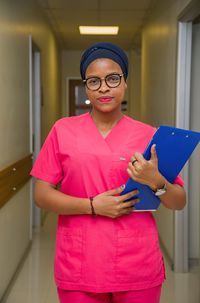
{"points": [[150, 295]]}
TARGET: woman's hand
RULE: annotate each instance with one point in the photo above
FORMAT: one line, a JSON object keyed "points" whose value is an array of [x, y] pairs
{"points": [[146, 172], [110, 204]]}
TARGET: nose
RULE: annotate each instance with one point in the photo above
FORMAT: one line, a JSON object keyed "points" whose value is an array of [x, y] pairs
{"points": [[104, 87]]}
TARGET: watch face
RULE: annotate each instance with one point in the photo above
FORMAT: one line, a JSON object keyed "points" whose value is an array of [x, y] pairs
{"points": [[160, 192]]}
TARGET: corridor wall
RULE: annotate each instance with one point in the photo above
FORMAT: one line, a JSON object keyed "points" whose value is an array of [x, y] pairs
{"points": [[19, 19]]}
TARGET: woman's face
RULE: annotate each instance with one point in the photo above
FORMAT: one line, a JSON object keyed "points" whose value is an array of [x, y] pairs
{"points": [[105, 99]]}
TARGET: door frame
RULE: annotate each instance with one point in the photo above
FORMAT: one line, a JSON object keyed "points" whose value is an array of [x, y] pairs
{"points": [[67, 97], [70, 97], [182, 121], [184, 62], [34, 119]]}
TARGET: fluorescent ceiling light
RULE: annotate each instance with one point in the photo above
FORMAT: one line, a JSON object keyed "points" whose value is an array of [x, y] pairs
{"points": [[98, 30]]}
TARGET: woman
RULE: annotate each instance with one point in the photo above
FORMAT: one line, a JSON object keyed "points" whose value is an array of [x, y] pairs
{"points": [[105, 252]]}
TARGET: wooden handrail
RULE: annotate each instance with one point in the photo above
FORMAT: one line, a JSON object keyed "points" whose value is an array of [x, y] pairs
{"points": [[13, 177]]}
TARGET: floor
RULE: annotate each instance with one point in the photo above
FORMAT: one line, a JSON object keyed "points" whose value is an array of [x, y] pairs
{"points": [[35, 283]]}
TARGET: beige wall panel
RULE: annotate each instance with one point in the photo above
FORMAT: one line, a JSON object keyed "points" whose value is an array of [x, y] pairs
{"points": [[18, 19], [134, 85], [14, 234]]}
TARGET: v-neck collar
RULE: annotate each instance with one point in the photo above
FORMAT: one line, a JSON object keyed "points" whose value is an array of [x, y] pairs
{"points": [[112, 130]]}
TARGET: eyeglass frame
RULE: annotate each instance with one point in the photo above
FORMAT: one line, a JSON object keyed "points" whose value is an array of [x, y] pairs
{"points": [[103, 78]]}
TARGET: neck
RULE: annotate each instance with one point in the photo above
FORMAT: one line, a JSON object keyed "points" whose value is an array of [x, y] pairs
{"points": [[106, 121]]}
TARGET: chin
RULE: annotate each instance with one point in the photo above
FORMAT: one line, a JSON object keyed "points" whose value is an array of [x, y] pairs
{"points": [[107, 108]]}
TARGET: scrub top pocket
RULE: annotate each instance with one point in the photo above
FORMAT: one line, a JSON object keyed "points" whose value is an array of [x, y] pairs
{"points": [[138, 257], [69, 254]]}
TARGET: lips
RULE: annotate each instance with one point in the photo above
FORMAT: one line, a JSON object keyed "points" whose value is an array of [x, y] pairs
{"points": [[105, 99]]}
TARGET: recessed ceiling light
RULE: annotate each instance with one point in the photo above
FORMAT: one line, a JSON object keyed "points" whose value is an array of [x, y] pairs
{"points": [[98, 30]]}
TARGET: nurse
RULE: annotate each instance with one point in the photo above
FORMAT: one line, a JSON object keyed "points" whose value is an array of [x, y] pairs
{"points": [[105, 252]]}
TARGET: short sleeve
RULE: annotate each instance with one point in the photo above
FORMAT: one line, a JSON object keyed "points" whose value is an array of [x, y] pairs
{"points": [[179, 181], [47, 166]]}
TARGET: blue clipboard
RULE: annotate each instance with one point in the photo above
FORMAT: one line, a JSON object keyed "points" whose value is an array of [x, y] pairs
{"points": [[174, 147]]}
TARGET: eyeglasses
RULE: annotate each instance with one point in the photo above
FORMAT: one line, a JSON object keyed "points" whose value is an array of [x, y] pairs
{"points": [[111, 80]]}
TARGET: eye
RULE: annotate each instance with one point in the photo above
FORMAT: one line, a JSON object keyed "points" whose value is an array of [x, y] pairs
{"points": [[93, 81], [113, 78]]}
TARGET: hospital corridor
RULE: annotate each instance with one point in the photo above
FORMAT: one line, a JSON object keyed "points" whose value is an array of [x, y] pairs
{"points": [[41, 45]]}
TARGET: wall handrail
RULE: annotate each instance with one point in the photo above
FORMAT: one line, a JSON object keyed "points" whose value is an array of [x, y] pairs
{"points": [[13, 178]]}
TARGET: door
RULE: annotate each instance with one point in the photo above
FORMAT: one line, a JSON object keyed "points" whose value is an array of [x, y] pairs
{"points": [[78, 101]]}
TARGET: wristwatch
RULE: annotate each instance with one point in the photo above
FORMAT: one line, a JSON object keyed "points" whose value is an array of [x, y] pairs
{"points": [[160, 191]]}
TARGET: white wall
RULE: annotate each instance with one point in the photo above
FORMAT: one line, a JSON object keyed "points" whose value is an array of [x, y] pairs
{"points": [[158, 86], [18, 19]]}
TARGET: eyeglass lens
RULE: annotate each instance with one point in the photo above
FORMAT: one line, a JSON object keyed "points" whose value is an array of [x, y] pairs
{"points": [[112, 80]]}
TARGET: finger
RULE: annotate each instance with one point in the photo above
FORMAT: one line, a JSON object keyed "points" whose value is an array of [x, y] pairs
{"points": [[139, 157], [115, 191], [133, 161], [153, 152], [128, 196], [127, 211], [132, 167], [130, 203], [131, 171]]}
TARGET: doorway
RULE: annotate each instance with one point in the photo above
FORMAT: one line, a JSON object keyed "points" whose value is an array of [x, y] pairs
{"points": [[78, 100], [194, 167], [34, 118], [187, 222]]}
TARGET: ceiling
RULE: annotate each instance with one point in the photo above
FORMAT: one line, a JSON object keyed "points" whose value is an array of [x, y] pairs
{"points": [[66, 15]]}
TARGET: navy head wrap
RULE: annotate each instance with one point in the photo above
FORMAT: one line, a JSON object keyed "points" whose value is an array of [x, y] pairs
{"points": [[104, 50]]}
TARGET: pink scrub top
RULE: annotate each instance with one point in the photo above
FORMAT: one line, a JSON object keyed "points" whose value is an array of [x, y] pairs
{"points": [[99, 254]]}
